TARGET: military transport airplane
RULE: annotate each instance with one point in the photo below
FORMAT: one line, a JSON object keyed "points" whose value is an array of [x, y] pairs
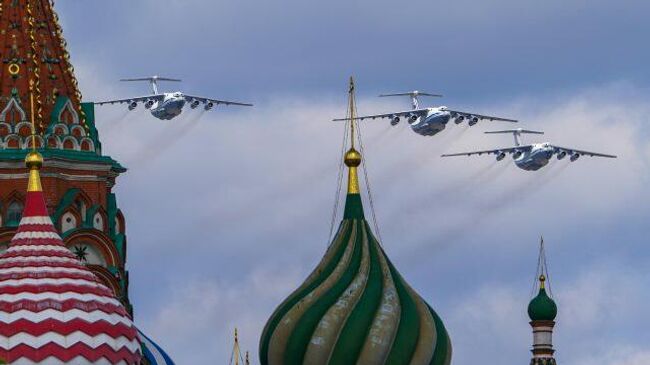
{"points": [[166, 106], [429, 121], [534, 156]]}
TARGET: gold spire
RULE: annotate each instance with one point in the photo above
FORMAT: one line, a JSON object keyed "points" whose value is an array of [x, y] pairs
{"points": [[236, 352], [542, 281], [33, 160], [352, 157]]}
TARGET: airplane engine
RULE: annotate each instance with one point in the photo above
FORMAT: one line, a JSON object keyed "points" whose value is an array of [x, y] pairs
{"points": [[473, 120], [575, 156], [516, 155], [413, 118], [208, 106], [561, 155], [132, 105], [394, 121], [459, 119], [501, 156], [194, 104], [148, 104]]}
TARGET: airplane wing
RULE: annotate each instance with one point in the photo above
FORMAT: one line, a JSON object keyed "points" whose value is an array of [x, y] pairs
{"points": [[492, 152], [402, 114], [203, 100], [139, 99], [457, 113], [571, 151]]}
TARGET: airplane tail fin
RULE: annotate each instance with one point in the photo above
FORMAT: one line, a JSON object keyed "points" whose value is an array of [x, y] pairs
{"points": [[414, 96], [516, 133], [153, 80]]}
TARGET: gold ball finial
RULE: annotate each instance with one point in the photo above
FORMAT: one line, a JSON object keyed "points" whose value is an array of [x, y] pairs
{"points": [[352, 158], [542, 278], [34, 160]]}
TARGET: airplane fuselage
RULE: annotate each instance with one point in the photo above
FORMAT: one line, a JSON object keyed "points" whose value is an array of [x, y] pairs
{"points": [[170, 107], [434, 122], [536, 158]]}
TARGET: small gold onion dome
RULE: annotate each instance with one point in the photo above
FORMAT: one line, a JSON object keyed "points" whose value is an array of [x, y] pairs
{"points": [[34, 160], [352, 158]]}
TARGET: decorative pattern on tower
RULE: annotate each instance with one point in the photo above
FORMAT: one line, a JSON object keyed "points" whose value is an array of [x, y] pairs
{"points": [[78, 179], [542, 311], [354, 308], [34, 59], [53, 309]]}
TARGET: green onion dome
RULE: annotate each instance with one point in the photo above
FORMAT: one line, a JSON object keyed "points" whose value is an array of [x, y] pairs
{"points": [[542, 307], [354, 308]]}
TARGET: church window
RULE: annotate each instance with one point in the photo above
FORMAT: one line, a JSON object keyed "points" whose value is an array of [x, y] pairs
{"points": [[68, 222], [14, 213], [98, 222], [13, 113], [68, 115]]}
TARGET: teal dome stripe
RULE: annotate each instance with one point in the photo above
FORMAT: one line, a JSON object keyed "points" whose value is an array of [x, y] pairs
{"points": [[442, 354], [322, 271], [354, 308], [409, 324], [303, 330], [353, 334]]}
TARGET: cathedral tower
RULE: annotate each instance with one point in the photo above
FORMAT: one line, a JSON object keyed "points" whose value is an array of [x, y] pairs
{"points": [[77, 178], [542, 311], [355, 307]]}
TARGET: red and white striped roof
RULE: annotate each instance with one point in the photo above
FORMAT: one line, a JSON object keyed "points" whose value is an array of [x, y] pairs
{"points": [[54, 310]]}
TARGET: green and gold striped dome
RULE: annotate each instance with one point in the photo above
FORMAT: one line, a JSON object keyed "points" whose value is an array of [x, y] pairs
{"points": [[354, 308]]}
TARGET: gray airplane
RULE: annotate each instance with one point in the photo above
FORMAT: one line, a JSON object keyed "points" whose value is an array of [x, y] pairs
{"points": [[429, 121], [166, 106], [534, 156]]}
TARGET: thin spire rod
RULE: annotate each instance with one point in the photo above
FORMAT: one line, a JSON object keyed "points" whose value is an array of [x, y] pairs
{"points": [[31, 102], [352, 108]]}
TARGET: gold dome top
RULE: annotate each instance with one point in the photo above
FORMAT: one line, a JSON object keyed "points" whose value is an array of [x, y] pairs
{"points": [[34, 160], [352, 158]]}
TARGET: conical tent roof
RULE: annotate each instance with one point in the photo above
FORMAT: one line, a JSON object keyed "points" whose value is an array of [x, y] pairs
{"points": [[355, 307], [53, 310]]}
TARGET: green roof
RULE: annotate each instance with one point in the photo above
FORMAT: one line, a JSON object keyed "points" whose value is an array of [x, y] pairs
{"points": [[542, 307], [354, 308], [67, 155]]}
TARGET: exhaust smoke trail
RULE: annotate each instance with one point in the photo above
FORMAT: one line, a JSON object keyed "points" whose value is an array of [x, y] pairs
{"points": [[165, 140], [114, 125], [481, 212]]}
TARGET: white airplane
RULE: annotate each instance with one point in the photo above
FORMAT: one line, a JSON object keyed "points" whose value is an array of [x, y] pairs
{"points": [[166, 106], [429, 121], [534, 156]]}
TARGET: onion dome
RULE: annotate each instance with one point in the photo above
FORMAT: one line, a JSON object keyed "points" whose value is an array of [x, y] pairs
{"points": [[355, 307], [542, 307], [154, 354], [53, 310]]}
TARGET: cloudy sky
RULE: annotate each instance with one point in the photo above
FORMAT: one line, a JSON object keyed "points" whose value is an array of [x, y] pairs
{"points": [[228, 211]]}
